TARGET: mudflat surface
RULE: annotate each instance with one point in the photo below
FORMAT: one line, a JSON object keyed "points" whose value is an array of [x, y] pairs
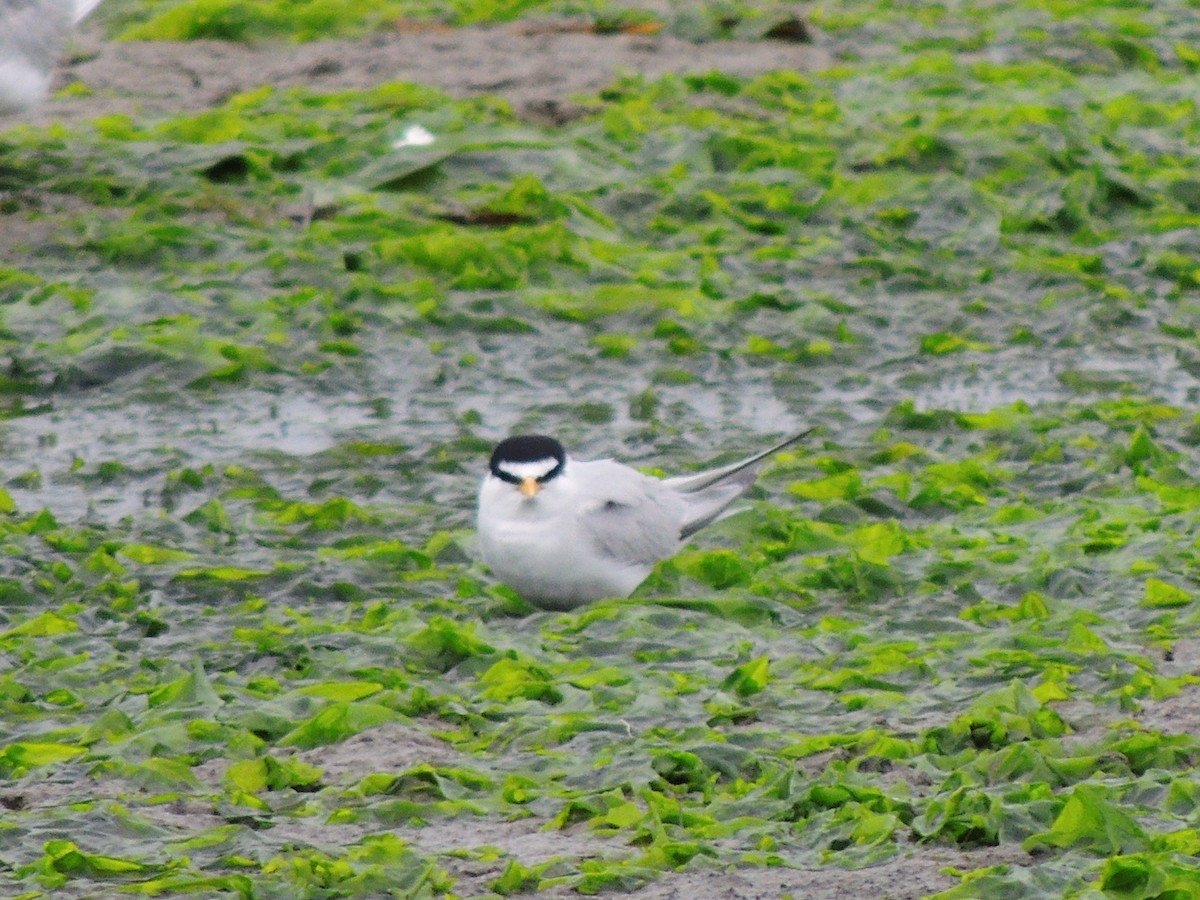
{"points": [[545, 73], [538, 69]]}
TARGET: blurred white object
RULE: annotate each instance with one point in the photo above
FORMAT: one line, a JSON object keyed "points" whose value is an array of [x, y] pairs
{"points": [[32, 35], [414, 135]]}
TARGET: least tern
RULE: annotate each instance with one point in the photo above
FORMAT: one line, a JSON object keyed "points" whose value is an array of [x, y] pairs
{"points": [[562, 532]]}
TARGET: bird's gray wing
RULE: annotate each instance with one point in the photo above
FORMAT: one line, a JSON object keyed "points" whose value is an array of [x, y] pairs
{"points": [[639, 520], [630, 517]]}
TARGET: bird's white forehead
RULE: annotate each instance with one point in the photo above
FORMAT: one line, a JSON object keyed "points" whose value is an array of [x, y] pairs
{"points": [[536, 469]]}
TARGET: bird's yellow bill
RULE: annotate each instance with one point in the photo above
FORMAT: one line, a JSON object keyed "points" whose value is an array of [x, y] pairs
{"points": [[529, 487]]}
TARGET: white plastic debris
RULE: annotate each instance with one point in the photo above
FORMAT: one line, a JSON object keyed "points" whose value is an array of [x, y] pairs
{"points": [[415, 136]]}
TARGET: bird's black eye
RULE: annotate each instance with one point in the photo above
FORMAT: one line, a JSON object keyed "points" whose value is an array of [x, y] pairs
{"points": [[528, 455]]}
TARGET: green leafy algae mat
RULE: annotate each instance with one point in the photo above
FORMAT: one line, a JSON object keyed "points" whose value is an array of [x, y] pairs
{"points": [[254, 359]]}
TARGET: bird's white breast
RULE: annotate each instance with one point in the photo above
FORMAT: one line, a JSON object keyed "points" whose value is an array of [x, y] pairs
{"points": [[536, 546]]}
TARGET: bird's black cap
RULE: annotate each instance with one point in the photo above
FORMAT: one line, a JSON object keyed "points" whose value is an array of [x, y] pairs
{"points": [[527, 448]]}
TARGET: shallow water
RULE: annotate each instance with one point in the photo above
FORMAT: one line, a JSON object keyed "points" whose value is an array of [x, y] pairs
{"points": [[730, 408]]}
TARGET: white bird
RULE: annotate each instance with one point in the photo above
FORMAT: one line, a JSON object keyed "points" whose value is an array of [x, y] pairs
{"points": [[32, 36], [562, 532]]}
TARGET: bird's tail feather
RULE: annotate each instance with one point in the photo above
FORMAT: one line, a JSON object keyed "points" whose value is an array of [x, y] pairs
{"points": [[716, 508], [711, 493], [687, 484]]}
